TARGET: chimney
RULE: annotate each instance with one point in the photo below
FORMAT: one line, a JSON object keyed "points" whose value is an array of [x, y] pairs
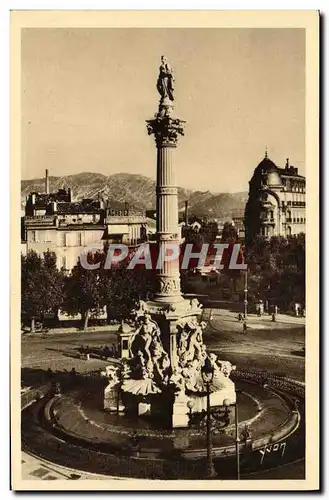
{"points": [[186, 212], [47, 182]]}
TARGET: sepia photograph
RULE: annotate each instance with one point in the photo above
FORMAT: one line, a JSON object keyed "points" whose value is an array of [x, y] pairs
{"points": [[164, 262]]}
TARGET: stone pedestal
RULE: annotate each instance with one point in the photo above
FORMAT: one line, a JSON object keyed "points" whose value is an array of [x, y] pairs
{"points": [[180, 414], [124, 335], [143, 408], [112, 400]]}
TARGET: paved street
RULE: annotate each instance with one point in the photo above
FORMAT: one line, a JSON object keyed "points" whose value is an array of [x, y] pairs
{"points": [[38, 469]]}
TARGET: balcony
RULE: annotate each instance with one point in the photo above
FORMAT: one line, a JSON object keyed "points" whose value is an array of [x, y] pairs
{"points": [[298, 203], [267, 220], [125, 219], [39, 220]]}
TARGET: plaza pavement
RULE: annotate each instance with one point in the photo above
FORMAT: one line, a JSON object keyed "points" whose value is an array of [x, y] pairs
{"points": [[38, 469]]}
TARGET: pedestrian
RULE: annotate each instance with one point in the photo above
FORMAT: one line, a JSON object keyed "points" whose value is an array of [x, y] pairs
{"points": [[273, 316], [245, 328]]}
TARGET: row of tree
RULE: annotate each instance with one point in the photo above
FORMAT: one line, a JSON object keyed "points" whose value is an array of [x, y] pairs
{"points": [[45, 289], [275, 271]]}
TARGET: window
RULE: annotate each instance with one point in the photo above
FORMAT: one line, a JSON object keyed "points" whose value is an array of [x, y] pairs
{"points": [[125, 344], [62, 239], [34, 236]]}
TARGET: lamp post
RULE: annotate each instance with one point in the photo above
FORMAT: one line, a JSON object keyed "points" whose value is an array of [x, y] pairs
{"points": [[246, 293], [207, 372], [237, 440], [237, 437], [222, 418]]}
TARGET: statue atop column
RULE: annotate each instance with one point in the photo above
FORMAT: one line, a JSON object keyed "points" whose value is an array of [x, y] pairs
{"points": [[164, 126], [165, 80]]}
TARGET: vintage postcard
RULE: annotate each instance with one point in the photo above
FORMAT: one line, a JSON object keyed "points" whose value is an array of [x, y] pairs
{"points": [[164, 262]]}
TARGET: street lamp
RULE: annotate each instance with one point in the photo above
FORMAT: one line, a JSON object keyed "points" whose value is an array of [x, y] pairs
{"points": [[237, 437], [217, 414], [207, 372], [245, 293], [190, 405]]}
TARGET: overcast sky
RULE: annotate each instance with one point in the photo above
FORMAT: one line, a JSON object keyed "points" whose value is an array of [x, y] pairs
{"points": [[86, 94]]}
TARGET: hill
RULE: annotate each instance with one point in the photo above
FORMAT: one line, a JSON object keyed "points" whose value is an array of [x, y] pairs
{"points": [[138, 191]]}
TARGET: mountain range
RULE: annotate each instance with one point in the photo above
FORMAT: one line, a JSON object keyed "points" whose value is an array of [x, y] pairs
{"points": [[139, 192]]}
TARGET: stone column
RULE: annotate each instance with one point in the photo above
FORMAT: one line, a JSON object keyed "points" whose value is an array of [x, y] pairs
{"points": [[166, 130]]}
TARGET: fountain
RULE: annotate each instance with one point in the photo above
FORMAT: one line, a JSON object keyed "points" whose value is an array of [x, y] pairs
{"points": [[162, 372]]}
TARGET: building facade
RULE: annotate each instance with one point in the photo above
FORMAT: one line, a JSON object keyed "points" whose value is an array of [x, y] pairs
{"points": [[277, 201], [54, 222]]}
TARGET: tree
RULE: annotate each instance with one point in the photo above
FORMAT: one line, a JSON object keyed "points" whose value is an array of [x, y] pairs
{"points": [[124, 288], [41, 286], [229, 233], [276, 269], [118, 288], [84, 290]]}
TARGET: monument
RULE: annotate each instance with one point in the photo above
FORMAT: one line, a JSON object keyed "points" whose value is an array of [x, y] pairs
{"points": [[162, 372]]}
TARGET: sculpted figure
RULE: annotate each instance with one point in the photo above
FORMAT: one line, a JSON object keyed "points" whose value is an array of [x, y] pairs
{"points": [[192, 375], [111, 373], [190, 342], [203, 352], [225, 367], [194, 304], [183, 344], [177, 380], [126, 371], [141, 308], [161, 365], [143, 369], [147, 342], [141, 341], [165, 80], [196, 343]]}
